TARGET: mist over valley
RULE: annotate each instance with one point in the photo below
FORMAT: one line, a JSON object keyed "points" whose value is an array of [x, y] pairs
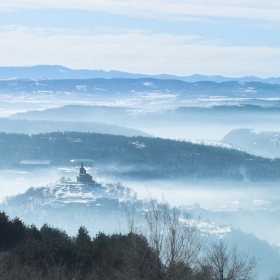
{"points": [[210, 148], [139, 140]]}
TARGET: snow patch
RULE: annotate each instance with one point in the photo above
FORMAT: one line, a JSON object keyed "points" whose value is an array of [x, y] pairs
{"points": [[148, 84]]}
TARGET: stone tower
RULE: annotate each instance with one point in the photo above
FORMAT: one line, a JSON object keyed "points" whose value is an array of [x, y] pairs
{"points": [[83, 177]]}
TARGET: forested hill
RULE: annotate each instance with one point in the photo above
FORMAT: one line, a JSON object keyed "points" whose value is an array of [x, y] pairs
{"points": [[140, 157]]}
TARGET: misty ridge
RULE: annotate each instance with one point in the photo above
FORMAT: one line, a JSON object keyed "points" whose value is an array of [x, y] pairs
{"points": [[41, 126], [209, 145], [191, 123], [138, 157], [262, 143]]}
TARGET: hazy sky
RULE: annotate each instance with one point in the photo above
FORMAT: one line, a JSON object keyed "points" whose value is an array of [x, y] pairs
{"points": [[182, 37]]}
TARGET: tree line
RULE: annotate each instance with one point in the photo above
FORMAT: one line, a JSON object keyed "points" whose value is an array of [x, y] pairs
{"points": [[168, 248]]}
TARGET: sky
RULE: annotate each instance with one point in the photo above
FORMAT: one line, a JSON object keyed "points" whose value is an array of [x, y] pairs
{"points": [[180, 37]]}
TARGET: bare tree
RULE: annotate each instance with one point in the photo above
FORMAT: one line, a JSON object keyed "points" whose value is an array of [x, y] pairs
{"points": [[176, 241], [228, 263], [177, 245]]}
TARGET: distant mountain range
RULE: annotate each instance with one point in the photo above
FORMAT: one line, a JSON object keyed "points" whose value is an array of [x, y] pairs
{"points": [[141, 88], [61, 72]]}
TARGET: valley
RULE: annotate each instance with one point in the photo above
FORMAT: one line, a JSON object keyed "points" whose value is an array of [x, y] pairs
{"points": [[207, 148]]}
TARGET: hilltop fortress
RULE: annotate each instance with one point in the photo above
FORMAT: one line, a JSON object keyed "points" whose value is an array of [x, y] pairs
{"points": [[83, 177]]}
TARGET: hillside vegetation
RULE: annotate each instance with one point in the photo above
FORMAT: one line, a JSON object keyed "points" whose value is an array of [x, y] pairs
{"points": [[140, 157], [50, 253]]}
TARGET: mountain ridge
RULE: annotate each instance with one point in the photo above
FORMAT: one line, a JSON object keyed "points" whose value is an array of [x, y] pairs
{"points": [[42, 126], [146, 157], [61, 72]]}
